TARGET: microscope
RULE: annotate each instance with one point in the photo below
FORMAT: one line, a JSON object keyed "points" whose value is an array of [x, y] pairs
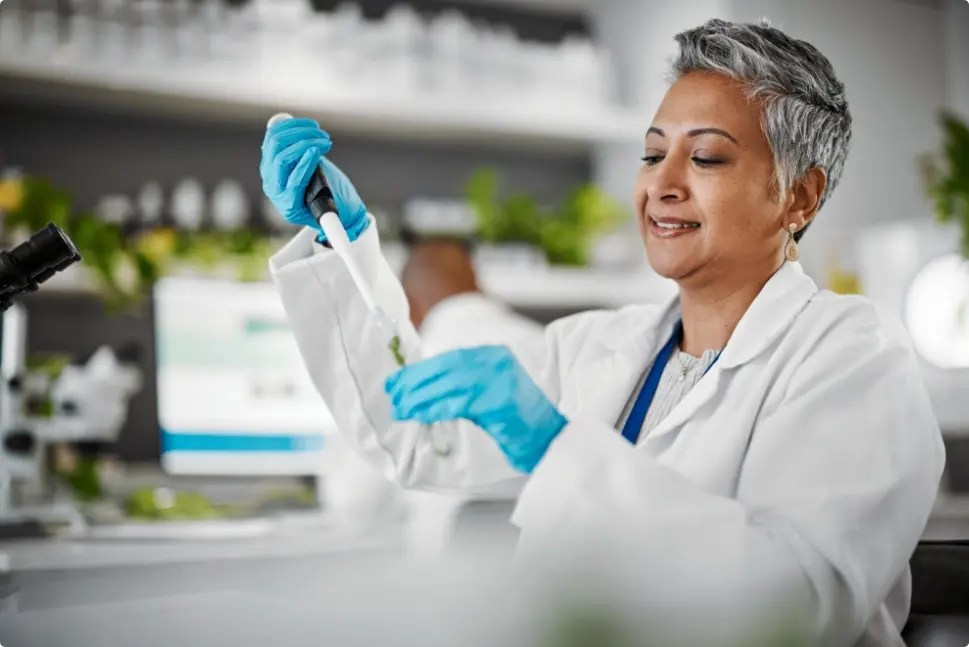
{"points": [[24, 439]]}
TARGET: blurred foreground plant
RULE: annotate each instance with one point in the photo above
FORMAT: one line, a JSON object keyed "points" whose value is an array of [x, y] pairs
{"points": [[575, 624], [563, 234]]}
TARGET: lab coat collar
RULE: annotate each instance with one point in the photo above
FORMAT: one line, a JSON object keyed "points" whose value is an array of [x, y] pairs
{"points": [[771, 312], [630, 351]]}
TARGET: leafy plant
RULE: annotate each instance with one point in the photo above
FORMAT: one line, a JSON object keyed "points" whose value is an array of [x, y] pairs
{"points": [[147, 504], [946, 177], [563, 234], [124, 267], [84, 480]]}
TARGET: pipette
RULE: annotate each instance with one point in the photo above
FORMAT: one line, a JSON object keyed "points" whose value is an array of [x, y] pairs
{"points": [[319, 199]]}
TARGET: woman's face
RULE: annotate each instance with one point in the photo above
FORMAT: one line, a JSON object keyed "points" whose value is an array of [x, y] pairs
{"points": [[704, 195]]}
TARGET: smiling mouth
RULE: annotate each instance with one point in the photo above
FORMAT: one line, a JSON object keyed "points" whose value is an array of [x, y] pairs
{"points": [[671, 228], [676, 225]]}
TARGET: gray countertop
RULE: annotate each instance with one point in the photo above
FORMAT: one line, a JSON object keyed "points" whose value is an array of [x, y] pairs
{"points": [[278, 537], [137, 545]]}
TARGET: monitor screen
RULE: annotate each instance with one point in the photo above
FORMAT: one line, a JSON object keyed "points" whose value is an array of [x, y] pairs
{"points": [[233, 394]]}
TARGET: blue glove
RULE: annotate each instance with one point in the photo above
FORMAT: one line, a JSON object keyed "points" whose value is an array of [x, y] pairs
{"points": [[291, 152], [487, 386]]}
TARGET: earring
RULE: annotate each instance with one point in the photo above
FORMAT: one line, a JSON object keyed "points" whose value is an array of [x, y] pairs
{"points": [[791, 251]]}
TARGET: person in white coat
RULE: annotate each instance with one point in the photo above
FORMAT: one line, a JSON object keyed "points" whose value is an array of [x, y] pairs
{"points": [[754, 423], [449, 310]]}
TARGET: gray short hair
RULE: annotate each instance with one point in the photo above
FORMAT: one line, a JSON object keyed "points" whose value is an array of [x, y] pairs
{"points": [[806, 118]]}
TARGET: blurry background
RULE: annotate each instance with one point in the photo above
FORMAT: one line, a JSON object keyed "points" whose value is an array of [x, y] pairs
{"points": [[136, 124]]}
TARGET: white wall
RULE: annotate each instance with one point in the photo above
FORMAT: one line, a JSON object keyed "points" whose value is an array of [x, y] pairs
{"points": [[889, 53], [957, 56], [890, 56], [639, 36]]}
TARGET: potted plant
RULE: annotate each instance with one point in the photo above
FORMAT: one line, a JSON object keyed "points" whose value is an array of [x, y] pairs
{"points": [[946, 177], [124, 265], [564, 235]]}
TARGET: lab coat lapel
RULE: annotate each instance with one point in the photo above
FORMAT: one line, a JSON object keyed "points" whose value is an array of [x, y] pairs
{"points": [[605, 385], [770, 314]]}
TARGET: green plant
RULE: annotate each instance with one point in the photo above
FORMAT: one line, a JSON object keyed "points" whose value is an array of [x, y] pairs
{"points": [[946, 177], [50, 366], [147, 504], [563, 234], [124, 268], [100, 243], [84, 480]]}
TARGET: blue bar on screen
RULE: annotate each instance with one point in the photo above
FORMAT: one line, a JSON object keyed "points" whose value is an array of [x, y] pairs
{"points": [[189, 441]]}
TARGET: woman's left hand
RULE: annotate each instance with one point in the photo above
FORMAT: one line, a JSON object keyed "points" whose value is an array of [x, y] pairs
{"points": [[489, 387]]}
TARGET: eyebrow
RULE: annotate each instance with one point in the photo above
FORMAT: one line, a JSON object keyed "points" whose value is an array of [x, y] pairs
{"points": [[696, 132]]}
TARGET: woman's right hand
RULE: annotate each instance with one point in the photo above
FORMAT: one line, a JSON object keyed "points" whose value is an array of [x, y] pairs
{"points": [[292, 150]]}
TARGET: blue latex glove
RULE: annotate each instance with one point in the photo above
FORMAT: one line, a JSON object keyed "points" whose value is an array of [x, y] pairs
{"points": [[487, 386], [291, 152]]}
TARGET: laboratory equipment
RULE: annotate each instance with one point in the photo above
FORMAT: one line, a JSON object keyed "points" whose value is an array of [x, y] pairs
{"points": [[149, 33], [400, 50], [12, 20], [116, 209], [113, 32], [45, 33], [96, 392], [82, 30], [32, 262], [322, 204], [73, 418], [151, 203], [488, 386], [233, 395], [230, 206], [188, 204], [430, 216]]}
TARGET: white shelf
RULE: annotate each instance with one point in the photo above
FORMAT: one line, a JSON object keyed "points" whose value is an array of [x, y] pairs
{"points": [[248, 94], [552, 287]]}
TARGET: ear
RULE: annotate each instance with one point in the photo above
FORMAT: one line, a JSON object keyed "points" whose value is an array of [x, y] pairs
{"points": [[805, 197]]}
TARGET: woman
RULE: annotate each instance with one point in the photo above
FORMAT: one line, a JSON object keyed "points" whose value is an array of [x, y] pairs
{"points": [[787, 423]]}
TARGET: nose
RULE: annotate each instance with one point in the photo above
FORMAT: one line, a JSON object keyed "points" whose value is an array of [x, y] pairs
{"points": [[666, 180]]}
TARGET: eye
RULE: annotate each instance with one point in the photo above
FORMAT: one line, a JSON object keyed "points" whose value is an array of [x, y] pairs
{"points": [[706, 162], [652, 160]]}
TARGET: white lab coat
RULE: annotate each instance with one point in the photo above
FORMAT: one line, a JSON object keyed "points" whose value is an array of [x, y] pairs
{"points": [[809, 452], [463, 321]]}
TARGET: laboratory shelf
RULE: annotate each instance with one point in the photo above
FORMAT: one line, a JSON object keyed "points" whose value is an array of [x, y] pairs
{"points": [[249, 94], [519, 287]]}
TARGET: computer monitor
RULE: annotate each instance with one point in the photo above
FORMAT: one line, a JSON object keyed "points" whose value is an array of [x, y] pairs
{"points": [[234, 397]]}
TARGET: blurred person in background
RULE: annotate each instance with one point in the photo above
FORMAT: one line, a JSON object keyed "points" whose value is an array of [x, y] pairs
{"points": [[448, 307], [449, 311], [753, 425]]}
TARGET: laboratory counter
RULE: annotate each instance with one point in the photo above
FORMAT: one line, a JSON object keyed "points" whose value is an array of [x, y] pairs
{"points": [[172, 542], [239, 582], [282, 537], [113, 588]]}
